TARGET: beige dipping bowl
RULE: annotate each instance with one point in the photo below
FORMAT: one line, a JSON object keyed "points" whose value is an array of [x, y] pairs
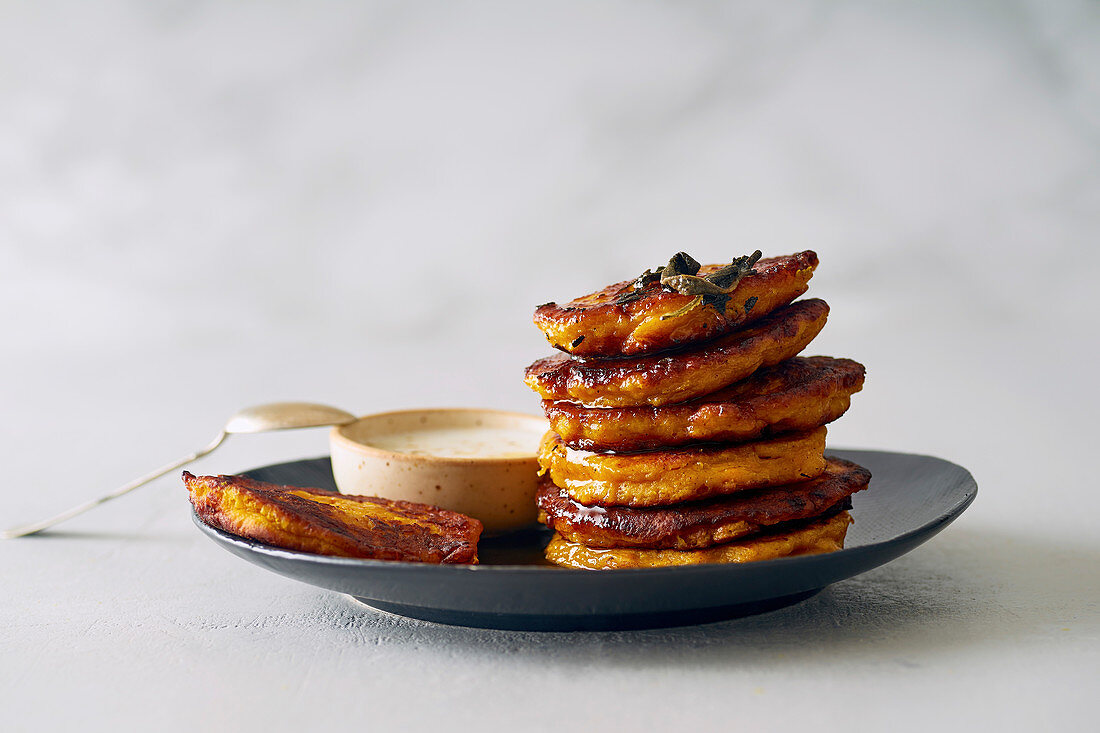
{"points": [[477, 462]]}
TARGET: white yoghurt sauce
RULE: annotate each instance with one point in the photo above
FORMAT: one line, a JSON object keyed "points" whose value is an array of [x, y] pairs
{"points": [[464, 442]]}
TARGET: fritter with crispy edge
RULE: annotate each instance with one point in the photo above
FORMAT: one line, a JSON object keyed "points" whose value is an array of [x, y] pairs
{"points": [[657, 478], [700, 524], [825, 535], [618, 321], [678, 376], [794, 395], [330, 523]]}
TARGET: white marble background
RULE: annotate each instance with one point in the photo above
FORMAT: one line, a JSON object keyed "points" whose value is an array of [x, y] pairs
{"points": [[209, 205]]}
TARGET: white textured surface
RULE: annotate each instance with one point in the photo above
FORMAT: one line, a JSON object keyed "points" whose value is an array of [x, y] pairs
{"points": [[204, 206]]}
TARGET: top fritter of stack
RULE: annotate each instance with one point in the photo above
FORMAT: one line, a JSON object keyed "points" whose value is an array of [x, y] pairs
{"points": [[657, 311]]}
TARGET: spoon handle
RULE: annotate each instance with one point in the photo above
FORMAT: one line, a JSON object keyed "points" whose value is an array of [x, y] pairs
{"points": [[9, 534]]}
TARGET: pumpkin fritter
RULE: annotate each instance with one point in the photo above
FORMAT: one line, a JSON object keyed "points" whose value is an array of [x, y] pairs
{"points": [[621, 321], [679, 376], [700, 524], [825, 535], [656, 478], [794, 395], [330, 523]]}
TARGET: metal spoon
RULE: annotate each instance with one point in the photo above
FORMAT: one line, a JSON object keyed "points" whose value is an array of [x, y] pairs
{"points": [[258, 419]]}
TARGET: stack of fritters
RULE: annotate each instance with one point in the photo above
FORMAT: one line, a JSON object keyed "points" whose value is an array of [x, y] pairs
{"points": [[684, 427]]}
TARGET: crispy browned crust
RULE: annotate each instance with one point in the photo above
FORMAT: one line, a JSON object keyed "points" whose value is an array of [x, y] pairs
{"points": [[330, 523], [601, 324], [700, 524], [658, 478], [794, 395], [678, 376], [815, 537]]}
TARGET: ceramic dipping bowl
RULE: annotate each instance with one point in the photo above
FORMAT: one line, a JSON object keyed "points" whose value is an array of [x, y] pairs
{"points": [[477, 462]]}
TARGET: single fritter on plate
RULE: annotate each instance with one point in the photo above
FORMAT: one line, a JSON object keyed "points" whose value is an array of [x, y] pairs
{"points": [[622, 321], [700, 524], [824, 535], [794, 395], [656, 478], [677, 376], [331, 523]]}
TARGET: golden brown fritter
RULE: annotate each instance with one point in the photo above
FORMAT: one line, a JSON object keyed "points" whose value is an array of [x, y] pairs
{"points": [[794, 395], [678, 376], [700, 524], [330, 523], [656, 478], [825, 535], [615, 322]]}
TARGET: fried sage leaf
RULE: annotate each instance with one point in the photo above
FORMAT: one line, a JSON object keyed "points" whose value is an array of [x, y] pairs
{"points": [[713, 289], [682, 275]]}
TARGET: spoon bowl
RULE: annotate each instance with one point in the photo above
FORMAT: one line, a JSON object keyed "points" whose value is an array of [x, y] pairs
{"points": [[286, 416]]}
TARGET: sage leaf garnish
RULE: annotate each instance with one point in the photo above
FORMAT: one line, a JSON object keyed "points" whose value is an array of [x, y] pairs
{"points": [[682, 275], [713, 289]]}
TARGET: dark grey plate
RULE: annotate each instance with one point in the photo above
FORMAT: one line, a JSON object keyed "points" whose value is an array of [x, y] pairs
{"points": [[910, 499]]}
